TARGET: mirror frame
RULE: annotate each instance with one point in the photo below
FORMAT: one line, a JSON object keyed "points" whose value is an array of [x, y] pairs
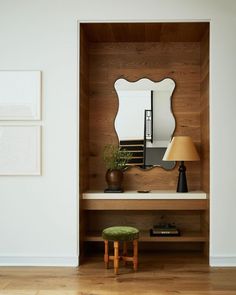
{"points": [[171, 111]]}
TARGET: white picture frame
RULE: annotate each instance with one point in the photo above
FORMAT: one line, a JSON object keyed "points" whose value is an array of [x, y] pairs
{"points": [[20, 95], [20, 150]]}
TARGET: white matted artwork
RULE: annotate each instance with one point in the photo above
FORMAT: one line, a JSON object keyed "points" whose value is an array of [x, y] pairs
{"points": [[20, 95], [20, 150]]}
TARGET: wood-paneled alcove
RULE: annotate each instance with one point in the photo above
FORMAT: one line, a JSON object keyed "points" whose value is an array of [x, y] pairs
{"points": [[109, 51]]}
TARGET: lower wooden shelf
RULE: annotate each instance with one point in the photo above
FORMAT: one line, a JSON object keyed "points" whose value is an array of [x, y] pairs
{"points": [[145, 237]]}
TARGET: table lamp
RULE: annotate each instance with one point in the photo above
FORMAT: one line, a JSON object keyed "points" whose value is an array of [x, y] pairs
{"points": [[181, 148]]}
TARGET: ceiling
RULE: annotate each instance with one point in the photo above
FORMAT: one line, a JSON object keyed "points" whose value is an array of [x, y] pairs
{"points": [[145, 32]]}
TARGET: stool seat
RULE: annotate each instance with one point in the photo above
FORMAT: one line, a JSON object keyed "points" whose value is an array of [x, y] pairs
{"points": [[120, 233]]}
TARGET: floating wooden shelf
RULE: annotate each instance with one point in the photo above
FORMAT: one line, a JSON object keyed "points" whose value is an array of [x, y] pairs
{"points": [[151, 195], [145, 237], [134, 204]]}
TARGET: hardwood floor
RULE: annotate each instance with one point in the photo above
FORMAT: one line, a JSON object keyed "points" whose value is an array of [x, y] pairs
{"points": [[158, 274]]}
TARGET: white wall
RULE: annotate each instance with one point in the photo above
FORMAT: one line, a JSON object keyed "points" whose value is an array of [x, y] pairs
{"points": [[38, 215]]}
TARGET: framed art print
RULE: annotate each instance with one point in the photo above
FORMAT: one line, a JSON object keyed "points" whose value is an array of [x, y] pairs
{"points": [[20, 95], [20, 150]]}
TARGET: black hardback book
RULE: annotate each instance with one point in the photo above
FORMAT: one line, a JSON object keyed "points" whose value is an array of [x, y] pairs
{"points": [[164, 233]]}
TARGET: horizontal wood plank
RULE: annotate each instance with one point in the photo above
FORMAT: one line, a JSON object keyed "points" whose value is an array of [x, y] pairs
{"points": [[145, 32], [145, 237], [144, 204]]}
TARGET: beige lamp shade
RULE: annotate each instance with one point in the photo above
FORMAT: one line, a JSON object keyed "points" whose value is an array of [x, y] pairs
{"points": [[181, 148]]}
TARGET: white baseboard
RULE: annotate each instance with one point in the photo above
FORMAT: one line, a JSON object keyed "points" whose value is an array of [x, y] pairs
{"points": [[223, 261], [72, 261]]}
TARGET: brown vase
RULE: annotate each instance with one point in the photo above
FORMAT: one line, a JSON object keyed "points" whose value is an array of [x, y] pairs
{"points": [[114, 180]]}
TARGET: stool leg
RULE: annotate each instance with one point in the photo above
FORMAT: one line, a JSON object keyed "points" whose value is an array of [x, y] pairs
{"points": [[116, 257], [125, 252], [106, 255], [135, 258]]}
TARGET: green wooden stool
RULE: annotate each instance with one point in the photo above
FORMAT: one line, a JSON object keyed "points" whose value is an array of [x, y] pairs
{"points": [[123, 234]]}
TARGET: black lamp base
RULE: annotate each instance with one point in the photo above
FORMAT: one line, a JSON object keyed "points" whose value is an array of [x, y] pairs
{"points": [[182, 181]]}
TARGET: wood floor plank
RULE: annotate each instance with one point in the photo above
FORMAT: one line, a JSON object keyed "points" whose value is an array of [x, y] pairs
{"points": [[158, 274], [18, 292]]}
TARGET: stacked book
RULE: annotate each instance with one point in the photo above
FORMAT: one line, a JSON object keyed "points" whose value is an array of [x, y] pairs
{"points": [[164, 230]]}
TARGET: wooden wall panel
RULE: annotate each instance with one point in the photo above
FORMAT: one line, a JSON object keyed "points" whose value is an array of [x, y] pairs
{"points": [[205, 142], [186, 221], [145, 32], [110, 61], [84, 113], [204, 115], [83, 132]]}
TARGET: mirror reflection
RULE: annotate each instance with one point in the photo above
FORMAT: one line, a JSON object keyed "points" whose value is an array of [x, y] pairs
{"points": [[144, 122]]}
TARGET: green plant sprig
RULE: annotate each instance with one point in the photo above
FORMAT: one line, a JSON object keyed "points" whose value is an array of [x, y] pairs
{"points": [[115, 157]]}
